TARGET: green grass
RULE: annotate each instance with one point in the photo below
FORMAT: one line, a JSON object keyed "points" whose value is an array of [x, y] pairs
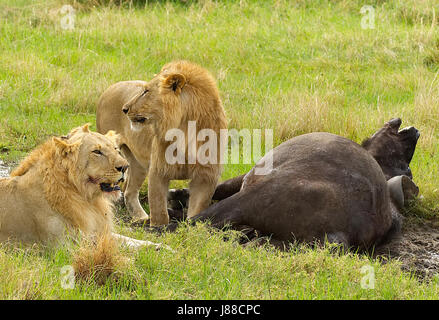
{"points": [[206, 267], [294, 67]]}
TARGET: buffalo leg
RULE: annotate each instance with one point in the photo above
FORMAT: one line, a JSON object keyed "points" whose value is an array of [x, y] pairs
{"points": [[178, 198]]}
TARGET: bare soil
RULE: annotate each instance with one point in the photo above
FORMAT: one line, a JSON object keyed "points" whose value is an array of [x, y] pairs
{"points": [[417, 247]]}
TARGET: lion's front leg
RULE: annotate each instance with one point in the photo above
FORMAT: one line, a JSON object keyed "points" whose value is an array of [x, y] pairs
{"points": [[134, 243], [200, 194], [135, 177], [157, 196]]}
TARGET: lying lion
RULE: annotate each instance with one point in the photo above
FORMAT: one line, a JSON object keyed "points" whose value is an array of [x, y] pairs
{"points": [[143, 113], [64, 187]]}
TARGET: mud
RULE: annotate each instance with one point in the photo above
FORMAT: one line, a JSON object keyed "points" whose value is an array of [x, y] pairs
{"points": [[417, 247]]}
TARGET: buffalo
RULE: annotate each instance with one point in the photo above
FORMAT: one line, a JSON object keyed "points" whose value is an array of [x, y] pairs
{"points": [[321, 187]]}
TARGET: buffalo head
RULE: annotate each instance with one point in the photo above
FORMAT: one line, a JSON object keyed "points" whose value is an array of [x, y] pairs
{"points": [[392, 148]]}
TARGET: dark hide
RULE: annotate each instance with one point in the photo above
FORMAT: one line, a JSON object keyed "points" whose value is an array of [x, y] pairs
{"points": [[393, 149], [322, 186]]}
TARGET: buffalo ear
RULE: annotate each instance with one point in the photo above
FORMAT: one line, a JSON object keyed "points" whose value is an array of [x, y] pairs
{"points": [[394, 123], [174, 82], [65, 148]]}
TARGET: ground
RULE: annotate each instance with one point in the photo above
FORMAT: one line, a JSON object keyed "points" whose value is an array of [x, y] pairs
{"points": [[293, 67], [417, 247]]}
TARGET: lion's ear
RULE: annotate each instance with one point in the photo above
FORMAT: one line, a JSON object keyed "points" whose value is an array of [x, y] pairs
{"points": [[113, 136], [110, 133], [86, 127], [174, 82], [65, 148], [73, 131]]}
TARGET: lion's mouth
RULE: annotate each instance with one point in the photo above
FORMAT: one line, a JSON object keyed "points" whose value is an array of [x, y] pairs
{"points": [[109, 187]]}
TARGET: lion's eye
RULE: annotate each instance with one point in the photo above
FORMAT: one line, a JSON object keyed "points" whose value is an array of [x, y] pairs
{"points": [[145, 92], [98, 152]]}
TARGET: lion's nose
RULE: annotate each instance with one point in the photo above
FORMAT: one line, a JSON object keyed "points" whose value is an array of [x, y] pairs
{"points": [[122, 169], [125, 110]]}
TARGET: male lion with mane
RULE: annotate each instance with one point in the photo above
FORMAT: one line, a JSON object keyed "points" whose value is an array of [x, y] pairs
{"points": [[64, 187], [142, 113]]}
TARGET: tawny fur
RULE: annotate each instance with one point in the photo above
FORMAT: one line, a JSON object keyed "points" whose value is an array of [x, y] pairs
{"points": [[43, 199], [181, 92], [99, 260], [59, 192]]}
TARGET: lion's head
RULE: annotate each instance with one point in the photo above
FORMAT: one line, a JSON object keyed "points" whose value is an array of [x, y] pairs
{"points": [[93, 161], [170, 94], [78, 176], [89, 161]]}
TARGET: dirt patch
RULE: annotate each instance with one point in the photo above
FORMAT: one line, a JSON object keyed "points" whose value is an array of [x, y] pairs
{"points": [[417, 247]]}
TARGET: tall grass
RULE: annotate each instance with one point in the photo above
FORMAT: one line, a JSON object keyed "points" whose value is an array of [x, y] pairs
{"points": [[294, 67]]}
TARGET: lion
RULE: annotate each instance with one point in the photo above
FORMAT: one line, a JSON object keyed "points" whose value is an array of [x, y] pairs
{"points": [[143, 113], [65, 187]]}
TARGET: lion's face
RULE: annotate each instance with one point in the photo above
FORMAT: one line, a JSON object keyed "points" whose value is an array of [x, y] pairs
{"points": [[392, 148], [148, 106], [99, 166]]}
